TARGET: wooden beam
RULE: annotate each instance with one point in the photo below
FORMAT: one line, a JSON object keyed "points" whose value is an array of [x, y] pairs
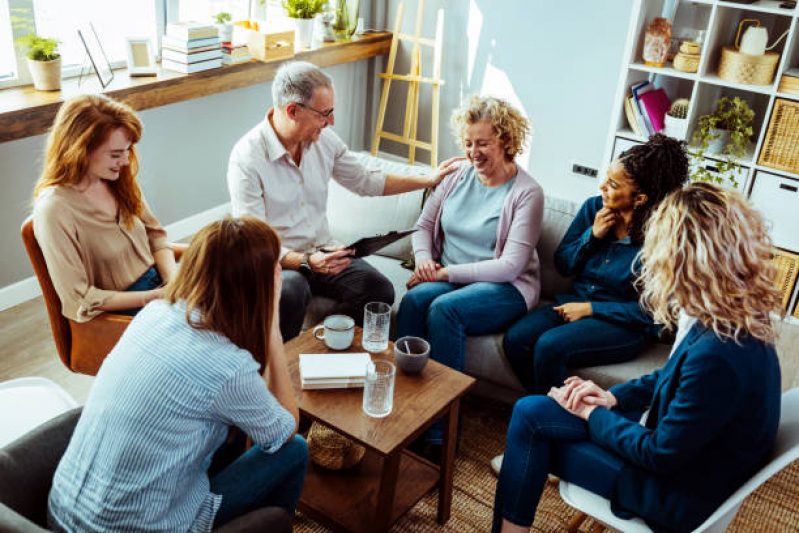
{"points": [[25, 112]]}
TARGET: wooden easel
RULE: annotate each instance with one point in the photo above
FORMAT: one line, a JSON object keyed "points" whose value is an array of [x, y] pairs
{"points": [[414, 78]]}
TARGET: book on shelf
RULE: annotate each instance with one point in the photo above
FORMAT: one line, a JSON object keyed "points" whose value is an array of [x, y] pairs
{"points": [[227, 60], [183, 45], [632, 115], [655, 104], [637, 90], [191, 30], [333, 370], [235, 51], [193, 57], [190, 68]]}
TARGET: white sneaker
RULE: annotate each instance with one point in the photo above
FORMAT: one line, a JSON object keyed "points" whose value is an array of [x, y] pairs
{"points": [[496, 463]]}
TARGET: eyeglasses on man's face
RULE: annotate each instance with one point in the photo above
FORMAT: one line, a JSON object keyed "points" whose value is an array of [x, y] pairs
{"points": [[324, 114]]}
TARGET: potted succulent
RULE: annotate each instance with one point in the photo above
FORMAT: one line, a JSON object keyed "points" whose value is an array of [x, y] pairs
{"points": [[725, 133], [303, 13], [43, 58], [676, 120], [223, 23]]}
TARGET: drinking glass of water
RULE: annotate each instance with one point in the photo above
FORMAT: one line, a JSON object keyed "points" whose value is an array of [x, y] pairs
{"points": [[378, 388], [376, 319]]}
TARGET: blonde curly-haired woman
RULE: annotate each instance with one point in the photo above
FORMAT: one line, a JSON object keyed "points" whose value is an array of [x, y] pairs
{"points": [[713, 410]]}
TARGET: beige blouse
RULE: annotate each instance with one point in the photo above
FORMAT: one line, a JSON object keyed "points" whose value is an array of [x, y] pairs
{"points": [[89, 253]]}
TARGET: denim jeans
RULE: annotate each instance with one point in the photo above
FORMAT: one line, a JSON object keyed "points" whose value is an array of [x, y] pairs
{"points": [[545, 438], [259, 479], [541, 346], [148, 281], [444, 313], [354, 287]]}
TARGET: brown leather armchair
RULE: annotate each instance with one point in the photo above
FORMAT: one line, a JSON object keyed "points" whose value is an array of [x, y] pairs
{"points": [[82, 346]]}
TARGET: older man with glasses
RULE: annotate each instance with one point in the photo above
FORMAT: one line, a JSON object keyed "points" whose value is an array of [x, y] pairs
{"points": [[279, 172]]}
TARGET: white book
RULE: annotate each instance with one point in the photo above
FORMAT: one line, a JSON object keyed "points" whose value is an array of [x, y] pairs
{"points": [[191, 67], [332, 384], [180, 57], [333, 366]]}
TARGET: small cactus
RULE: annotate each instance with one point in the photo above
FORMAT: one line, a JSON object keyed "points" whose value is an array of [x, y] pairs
{"points": [[679, 109]]}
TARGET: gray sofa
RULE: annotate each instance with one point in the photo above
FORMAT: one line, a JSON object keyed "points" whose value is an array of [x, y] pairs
{"points": [[351, 217], [27, 466]]}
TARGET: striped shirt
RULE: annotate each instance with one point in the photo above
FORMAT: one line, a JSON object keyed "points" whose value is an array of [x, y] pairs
{"points": [[159, 408]]}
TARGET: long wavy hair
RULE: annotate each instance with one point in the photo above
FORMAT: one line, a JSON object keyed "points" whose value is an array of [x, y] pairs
{"points": [[81, 126], [226, 276], [707, 252], [657, 167]]}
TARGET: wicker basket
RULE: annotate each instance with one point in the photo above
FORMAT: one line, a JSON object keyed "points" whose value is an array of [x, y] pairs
{"points": [[747, 69], [781, 146], [329, 449], [686, 62], [787, 270]]}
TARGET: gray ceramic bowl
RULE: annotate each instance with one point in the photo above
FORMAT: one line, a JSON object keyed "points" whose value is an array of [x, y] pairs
{"points": [[411, 354]]}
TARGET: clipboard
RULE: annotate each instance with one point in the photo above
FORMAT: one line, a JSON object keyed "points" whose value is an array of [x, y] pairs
{"points": [[369, 245]]}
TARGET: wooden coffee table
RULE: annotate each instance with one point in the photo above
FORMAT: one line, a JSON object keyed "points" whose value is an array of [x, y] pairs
{"points": [[390, 479]]}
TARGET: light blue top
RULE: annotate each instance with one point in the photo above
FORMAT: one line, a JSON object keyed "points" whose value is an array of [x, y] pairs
{"points": [[159, 408], [469, 219]]}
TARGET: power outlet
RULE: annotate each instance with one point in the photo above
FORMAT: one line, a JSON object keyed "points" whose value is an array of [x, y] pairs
{"points": [[584, 171]]}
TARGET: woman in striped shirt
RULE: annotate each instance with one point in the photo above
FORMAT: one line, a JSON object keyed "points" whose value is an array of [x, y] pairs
{"points": [[207, 357]]}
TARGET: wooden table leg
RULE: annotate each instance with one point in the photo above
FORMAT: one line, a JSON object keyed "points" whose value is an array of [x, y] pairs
{"points": [[447, 462], [385, 495]]}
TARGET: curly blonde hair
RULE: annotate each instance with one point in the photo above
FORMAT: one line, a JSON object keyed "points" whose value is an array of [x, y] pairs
{"points": [[707, 252], [511, 127]]}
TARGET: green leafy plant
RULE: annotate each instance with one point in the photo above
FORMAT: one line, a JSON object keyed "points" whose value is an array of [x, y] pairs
{"points": [[303, 9], [39, 48], [735, 116], [223, 17]]}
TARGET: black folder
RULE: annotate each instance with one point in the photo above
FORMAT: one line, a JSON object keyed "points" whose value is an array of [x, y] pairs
{"points": [[369, 245]]}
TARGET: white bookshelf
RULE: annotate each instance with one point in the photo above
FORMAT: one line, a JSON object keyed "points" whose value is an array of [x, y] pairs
{"points": [[719, 20]]}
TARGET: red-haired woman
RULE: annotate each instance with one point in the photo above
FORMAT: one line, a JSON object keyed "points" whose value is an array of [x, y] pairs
{"points": [[104, 248]]}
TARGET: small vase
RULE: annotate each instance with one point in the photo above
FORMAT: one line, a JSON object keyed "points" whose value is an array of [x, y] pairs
{"points": [[657, 41], [675, 127], [716, 146], [346, 19], [303, 29], [225, 32], [46, 74]]}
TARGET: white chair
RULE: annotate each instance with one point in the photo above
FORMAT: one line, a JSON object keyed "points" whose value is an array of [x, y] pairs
{"points": [[26, 403], [786, 450]]}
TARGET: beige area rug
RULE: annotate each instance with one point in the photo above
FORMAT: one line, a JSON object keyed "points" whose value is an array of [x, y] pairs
{"points": [[773, 508]]}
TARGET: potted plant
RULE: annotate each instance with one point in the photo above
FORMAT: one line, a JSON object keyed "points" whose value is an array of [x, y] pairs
{"points": [[725, 133], [43, 59], [676, 120], [224, 25], [303, 13]]}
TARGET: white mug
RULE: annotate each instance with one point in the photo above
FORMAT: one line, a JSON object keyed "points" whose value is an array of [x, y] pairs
{"points": [[338, 333]]}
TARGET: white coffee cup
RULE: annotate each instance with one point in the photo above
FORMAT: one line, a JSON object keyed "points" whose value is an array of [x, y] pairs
{"points": [[337, 331]]}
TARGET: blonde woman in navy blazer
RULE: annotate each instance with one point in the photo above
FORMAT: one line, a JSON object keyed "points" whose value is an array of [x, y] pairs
{"points": [[713, 410]]}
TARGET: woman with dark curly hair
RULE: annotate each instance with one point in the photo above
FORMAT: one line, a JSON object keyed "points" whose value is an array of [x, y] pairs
{"points": [[600, 320]]}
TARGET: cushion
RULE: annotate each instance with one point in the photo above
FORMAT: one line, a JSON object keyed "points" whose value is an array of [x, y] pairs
{"points": [[558, 215], [352, 217], [42, 398]]}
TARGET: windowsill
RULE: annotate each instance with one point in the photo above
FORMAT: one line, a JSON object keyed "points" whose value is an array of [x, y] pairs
{"points": [[25, 112]]}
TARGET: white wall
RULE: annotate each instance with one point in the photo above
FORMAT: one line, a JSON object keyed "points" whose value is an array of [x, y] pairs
{"points": [[558, 61]]}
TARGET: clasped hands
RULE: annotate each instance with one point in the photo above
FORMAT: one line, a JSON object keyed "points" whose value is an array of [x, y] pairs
{"points": [[427, 270], [581, 397]]}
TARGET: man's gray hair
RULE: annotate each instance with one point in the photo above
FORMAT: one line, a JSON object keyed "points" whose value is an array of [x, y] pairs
{"points": [[296, 82]]}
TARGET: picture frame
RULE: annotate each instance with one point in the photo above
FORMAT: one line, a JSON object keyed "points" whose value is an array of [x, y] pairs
{"points": [[141, 56], [96, 54]]}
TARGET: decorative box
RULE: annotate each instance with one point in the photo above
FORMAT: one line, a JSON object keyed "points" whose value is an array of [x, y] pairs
{"points": [[271, 45]]}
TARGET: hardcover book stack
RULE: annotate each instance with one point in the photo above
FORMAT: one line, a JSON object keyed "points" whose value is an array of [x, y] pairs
{"points": [[190, 47], [333, 370], [235, 53]]}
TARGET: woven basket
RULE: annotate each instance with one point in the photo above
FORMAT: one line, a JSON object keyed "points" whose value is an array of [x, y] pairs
{"points": [[787, 270], [686, 62], [332, 450], [781, 146], [747, 69]]}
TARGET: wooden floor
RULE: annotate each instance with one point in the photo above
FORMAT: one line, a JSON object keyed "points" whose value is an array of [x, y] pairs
{"points": [[27, 349]]}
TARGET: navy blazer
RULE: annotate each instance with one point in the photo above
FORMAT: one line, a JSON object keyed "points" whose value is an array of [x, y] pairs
{"points": [[714, 412]]}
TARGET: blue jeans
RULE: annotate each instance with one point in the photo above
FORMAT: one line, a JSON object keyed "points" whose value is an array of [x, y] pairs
{"points": [[444, 313], [148, 281], [541, 346], [259, 479], [545, 438]]}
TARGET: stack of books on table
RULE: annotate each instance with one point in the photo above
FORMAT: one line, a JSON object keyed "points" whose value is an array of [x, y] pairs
{"points": [[235, 53], [333, 370], [190, 47], [789, 83]]}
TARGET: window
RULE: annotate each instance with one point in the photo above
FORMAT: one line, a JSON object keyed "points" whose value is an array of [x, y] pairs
{"points": [[8, 64], [203, 10]]}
